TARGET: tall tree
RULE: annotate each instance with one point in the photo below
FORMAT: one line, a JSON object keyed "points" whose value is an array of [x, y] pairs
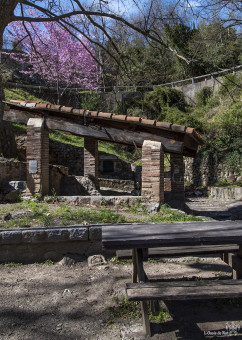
{"points": [[97, 17], [7, 142], [49, 51]]}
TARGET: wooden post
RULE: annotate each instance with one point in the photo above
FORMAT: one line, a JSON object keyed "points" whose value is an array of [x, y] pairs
{"points": [[143, 278]]}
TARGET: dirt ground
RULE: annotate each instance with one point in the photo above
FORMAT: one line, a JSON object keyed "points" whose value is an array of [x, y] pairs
{"points": [[52, 301]]}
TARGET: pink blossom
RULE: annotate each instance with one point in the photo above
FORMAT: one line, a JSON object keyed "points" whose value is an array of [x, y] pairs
{"points": [[55, 55]]}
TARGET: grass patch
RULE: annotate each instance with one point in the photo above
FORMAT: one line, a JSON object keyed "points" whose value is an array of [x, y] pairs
{"points": [[36, 214], [12, 264], [110, 148], [224, 183], [165, 214], [43, 214], [130, 310], [60, 136], [19, 129], [20, 94], [66, 214], [115, 260], [124, 309], [161, 317]]}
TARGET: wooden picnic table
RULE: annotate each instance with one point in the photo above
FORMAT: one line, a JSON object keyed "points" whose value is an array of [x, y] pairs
{"points": [[139, 237]]}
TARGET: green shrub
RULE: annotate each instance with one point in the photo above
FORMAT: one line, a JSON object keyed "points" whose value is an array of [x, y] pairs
{"points": [[203, 96], [231, 85], [231, 117], [174, 116], [161, 98], [91, 101]]}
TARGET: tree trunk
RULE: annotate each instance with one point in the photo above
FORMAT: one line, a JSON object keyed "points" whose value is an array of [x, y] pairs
{"points": [[7, 141]]}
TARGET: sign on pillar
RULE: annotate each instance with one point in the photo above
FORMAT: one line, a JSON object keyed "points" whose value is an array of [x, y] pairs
{"points": [[37, 155], [152, 172]]}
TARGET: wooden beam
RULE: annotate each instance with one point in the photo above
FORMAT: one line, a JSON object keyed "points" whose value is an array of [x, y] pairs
{"points": [[17, 116], [105, 133]]}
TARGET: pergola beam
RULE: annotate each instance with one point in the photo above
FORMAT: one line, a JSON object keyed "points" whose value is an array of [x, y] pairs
{"points": [[103, 132]]}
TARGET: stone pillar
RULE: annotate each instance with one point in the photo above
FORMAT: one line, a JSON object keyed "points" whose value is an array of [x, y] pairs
{"points": [[176, 196], [37, 154], [177, 173], [152, 172], [91, 157]]}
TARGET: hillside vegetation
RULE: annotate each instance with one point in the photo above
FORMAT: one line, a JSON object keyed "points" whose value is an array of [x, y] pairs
{"points": [[218, 119]]}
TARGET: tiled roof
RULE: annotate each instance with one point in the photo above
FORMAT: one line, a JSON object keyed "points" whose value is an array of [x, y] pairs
{"points": [[37, 106]]}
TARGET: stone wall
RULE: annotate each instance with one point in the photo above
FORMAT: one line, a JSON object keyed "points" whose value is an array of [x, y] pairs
{"points": [[190, 90], [207, 172], [40, 244], [67, 155], [226, 193], [17, 171], [73, 157], [11, 170], [118, 184]]}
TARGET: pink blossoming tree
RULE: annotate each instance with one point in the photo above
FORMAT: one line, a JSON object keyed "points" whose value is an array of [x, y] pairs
{"points": [[51, 52]]}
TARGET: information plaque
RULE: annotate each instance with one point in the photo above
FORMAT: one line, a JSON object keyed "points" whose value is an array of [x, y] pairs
{"points": [[33, 166]]}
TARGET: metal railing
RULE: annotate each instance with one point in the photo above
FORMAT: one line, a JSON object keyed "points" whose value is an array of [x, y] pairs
{"points": [[132, 88]]}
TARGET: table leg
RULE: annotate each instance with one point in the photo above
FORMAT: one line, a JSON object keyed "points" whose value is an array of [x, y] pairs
{"points": [[235, 261], [138, 256], [135, 268]]}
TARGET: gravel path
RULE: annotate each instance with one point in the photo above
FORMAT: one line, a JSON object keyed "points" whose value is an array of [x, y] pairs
{"points": [[41, 301]]}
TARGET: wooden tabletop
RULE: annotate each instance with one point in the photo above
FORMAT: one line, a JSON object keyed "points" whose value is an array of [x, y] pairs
{"points": [[127, 236]]}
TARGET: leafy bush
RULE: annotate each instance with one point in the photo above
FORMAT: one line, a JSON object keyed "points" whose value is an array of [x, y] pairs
{"points": [[231, 116], [161, 98], [91, 101], [174, 116], [225, 148], [203, 96], [231, 85]]}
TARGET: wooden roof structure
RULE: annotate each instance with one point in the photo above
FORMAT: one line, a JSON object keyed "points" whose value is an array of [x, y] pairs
{"points": [[104, 126]]}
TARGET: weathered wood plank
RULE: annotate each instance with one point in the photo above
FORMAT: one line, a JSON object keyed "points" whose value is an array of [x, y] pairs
{"points": [[185, 250], [18, 116], [184, 290], [106, 133], [171, 234]]}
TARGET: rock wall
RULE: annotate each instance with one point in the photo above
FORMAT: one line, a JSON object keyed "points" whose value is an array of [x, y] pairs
{"points": [[11, 170], [207, 172], [40, 244], [221, 193]]}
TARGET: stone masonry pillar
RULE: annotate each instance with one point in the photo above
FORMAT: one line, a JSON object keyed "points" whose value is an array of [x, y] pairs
{"points": [[91, 158], [176, 197], [177, 173], [152, 172], [37, 154]]}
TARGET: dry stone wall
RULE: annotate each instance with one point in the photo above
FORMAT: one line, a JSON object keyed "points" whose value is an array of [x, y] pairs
{"points": [[11, 170], [199, 172]]}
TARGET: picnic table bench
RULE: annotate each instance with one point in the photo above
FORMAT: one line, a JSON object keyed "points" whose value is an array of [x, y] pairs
{"points": [[139, 237]]}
